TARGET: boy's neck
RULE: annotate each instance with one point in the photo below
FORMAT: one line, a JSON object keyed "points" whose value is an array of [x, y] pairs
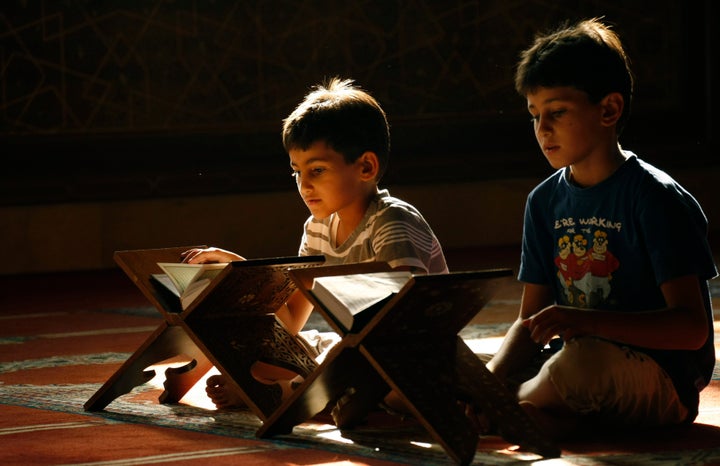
{"points": [[349, 219], [593, 172]]}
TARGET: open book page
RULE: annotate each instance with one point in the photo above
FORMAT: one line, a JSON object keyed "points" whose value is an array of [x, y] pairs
{"points": [[193, 290], [345, 296], [164, 279], [182, 275]]}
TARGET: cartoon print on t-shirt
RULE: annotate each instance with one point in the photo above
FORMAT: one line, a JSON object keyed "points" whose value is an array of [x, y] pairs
{"points": [[578, 267], [561, 262], [585, 274], [603, 263]]}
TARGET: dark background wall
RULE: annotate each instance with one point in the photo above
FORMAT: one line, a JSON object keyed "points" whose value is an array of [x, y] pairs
{"points": [[125, 103]]}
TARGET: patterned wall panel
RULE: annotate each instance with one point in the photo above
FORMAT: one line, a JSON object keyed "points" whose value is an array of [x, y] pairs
{"points": [[87, 66], [151, 72]]}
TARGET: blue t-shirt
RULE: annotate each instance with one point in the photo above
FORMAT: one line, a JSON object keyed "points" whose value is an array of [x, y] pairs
{"points": [[610, 246]]}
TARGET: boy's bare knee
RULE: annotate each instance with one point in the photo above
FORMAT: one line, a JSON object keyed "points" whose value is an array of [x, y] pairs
{"points": [[540, 391]]}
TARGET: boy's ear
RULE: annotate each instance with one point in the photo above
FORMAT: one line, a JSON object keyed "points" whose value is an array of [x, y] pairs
{"points": [[612, 108], [369, 165]]}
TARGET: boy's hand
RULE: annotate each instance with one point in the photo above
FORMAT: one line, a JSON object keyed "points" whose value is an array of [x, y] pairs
{"points": [[203, 256], [564, 321]]}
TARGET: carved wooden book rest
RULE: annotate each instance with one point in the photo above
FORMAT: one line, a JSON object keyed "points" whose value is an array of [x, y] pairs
{"points": [[230, 325], [412, 346]]}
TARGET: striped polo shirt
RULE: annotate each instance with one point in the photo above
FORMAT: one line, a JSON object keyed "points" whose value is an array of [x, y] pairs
{"points": [[391, 231]]}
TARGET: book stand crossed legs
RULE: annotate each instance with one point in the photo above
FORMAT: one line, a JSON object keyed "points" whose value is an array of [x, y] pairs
{"points": [[230, 325], [412, 346]]}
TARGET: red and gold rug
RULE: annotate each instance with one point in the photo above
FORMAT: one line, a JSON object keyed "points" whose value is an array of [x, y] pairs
{"points": [[61, 338]]}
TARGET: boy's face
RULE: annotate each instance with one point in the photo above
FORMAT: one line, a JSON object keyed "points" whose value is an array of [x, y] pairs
{"points": [[568, 127], [326, 182]]}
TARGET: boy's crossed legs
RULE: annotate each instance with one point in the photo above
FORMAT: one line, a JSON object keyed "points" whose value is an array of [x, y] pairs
{"points": [[592, 380]]}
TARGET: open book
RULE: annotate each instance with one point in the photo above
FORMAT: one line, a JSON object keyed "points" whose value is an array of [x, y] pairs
{"points": [[354, 299], [187, 281]]}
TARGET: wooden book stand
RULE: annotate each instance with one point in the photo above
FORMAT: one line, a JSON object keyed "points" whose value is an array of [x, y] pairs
{"points": [[230, 325], [412, 346]]}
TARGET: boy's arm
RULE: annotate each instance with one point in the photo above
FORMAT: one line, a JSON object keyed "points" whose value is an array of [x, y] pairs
{"points": [[203, 256], [295, 313], [517, 348], [681, 325]]}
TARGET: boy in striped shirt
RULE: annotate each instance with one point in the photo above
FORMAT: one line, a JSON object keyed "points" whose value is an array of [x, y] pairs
{"points": [[338, 140]]}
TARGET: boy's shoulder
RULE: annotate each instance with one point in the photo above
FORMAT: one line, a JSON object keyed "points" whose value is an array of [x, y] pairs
{"points": [[383, 198], [385, 205], [655, 173]]}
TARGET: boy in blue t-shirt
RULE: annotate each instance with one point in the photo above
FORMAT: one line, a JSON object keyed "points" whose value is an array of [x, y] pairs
{"points": [[615, 259]]}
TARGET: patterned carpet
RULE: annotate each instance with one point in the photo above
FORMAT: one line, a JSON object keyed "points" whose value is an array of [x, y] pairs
{"points": [[407, 444], [53, 360], [404, 446]]}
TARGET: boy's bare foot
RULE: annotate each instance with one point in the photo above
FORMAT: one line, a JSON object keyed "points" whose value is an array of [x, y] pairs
{"points": [[223, 394], [478, 419], [352, 408], [345, 413], [554, 427]]}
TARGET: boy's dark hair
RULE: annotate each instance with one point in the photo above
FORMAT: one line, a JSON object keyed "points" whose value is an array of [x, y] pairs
{"points": [[587, 56], [346, 117]]}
